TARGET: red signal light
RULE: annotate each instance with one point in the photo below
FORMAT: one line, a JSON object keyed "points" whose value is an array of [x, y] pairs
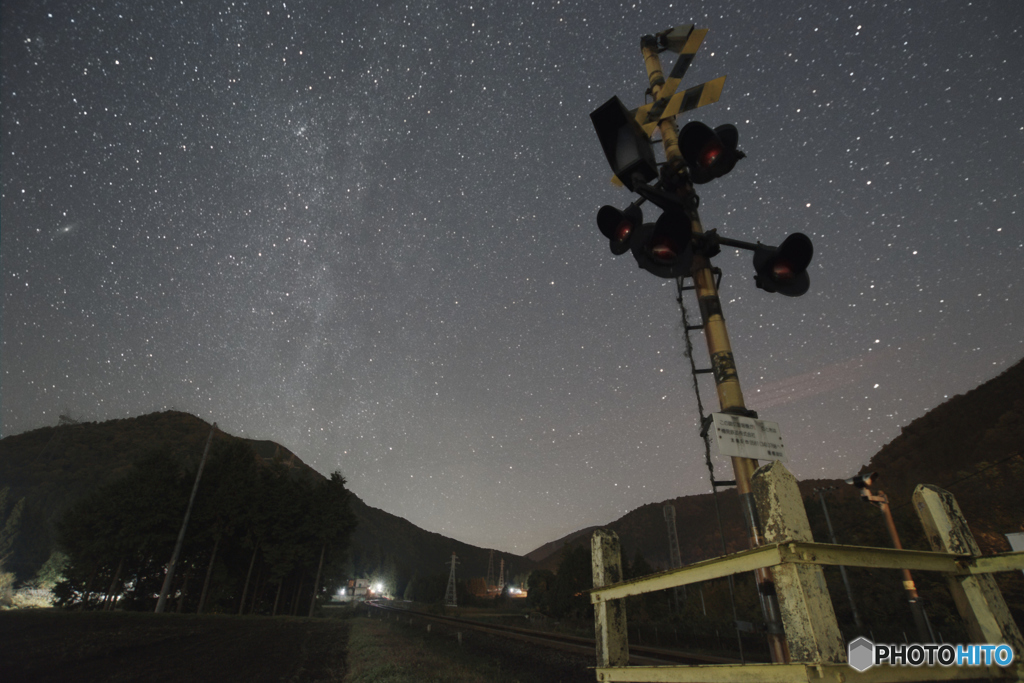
{"points": [[709, 155], [664, 253], [665, 249], [782, 272], [623, 231]]}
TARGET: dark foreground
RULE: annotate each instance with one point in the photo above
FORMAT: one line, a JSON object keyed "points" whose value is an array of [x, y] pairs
{"points": [[48, 645]]}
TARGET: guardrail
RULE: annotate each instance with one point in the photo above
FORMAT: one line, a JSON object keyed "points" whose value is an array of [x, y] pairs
{"points": [[817, 651]]}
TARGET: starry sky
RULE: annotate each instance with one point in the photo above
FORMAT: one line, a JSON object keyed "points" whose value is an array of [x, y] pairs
{"points": [[366, 230]]}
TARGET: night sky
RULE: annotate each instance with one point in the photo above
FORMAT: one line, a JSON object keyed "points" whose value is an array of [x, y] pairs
{"points": [[367, 231]]}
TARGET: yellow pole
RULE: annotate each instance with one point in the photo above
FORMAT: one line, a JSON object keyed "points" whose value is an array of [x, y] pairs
{"points": [[727, 382]]}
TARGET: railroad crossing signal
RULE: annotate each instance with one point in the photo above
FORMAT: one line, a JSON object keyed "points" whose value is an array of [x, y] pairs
{"points": [[619, 226], [783, 269], [709, 154], [676, 245], [666, 247], [663, 248]]}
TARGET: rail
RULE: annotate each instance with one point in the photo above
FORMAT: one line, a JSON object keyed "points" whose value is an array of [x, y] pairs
{"points": [[640, 655]]}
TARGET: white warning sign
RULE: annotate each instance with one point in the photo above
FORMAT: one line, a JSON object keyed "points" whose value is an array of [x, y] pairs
{"points": [[745, 437]]}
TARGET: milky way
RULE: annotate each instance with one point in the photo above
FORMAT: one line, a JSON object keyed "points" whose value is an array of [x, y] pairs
{"points": [[366, 231]]}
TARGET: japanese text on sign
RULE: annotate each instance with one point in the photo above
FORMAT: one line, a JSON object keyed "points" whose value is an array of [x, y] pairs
{"points": [[745, 437]]}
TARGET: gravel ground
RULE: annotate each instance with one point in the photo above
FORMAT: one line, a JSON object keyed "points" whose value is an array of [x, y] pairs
{"points": [[53, 645]]}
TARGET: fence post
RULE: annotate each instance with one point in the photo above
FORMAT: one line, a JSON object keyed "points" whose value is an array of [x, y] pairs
{"points": [[609, 615], [977, 597], [807, 615]]}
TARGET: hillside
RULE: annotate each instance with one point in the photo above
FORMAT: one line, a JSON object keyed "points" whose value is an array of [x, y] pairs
{"points": [[55, 466], [420, 552], [970, 444], [644, 530], [52, 467], [548, 549]]}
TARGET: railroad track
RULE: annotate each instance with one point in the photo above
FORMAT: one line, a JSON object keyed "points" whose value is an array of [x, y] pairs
{"points": [[639, 655]]}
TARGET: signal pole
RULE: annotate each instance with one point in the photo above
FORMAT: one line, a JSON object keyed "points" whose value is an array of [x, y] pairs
{"points": [[727, 383], [864, 482], [909, 588]]}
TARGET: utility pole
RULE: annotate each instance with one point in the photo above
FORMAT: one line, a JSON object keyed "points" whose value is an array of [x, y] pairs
{"points": [[842, 569], [449, 595], [165, 589], [675, 559], [727, 382]]}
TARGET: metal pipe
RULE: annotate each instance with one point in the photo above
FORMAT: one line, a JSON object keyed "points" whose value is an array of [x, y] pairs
{"points": [[739, 244], [916, 608]]}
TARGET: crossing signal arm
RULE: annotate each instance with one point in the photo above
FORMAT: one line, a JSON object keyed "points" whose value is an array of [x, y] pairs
{"points": [[783, 269], [666, 247]]}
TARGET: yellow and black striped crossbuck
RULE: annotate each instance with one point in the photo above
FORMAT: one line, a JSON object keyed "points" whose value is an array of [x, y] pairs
{"points": [[685, 40]]}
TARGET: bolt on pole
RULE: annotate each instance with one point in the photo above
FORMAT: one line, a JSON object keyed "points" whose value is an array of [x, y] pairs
{"points": [[727, 383]]}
